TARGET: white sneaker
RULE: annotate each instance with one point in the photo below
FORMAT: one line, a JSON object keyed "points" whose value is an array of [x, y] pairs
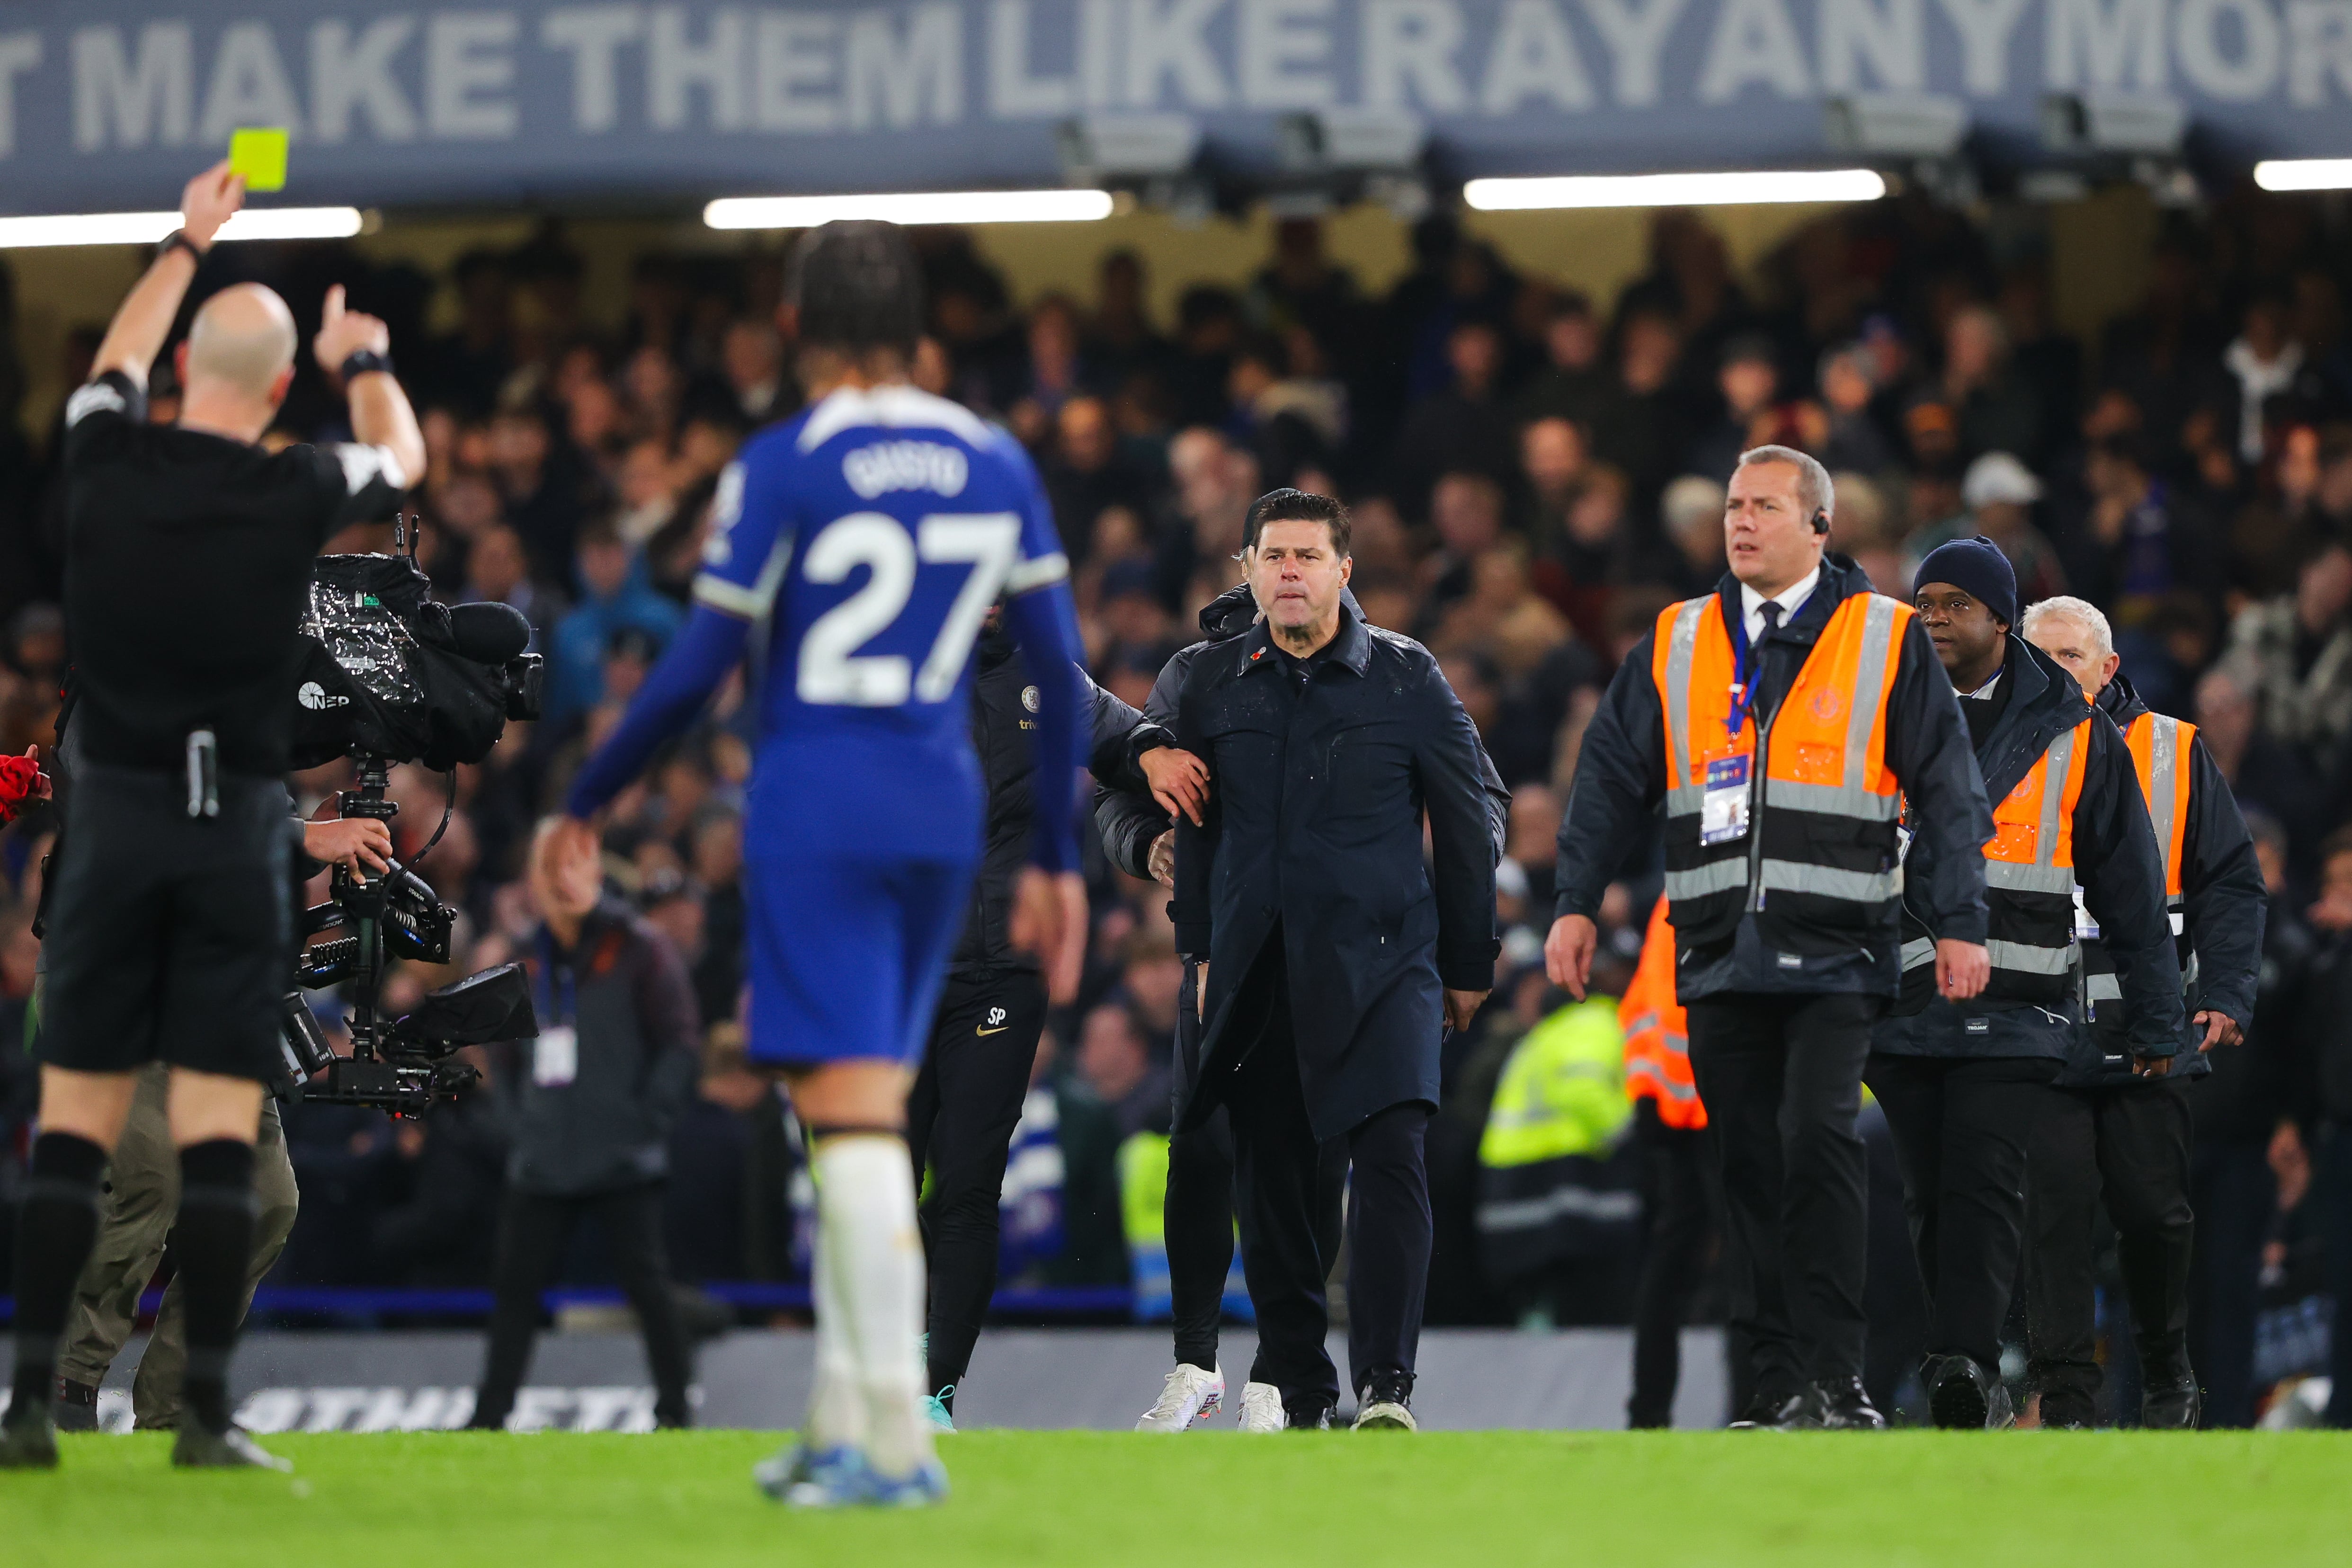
{"points": [[1189, 1394], [1262, 1408]]}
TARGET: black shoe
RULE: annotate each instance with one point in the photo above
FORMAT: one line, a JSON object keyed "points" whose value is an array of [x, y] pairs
{"points": [[1385, 1403], [1767, 1412], [197, 1449], [1833, 1405], [74, 1409], [1314, 1417], [1964, 1396], [28, 1440], [2175, 1406]]}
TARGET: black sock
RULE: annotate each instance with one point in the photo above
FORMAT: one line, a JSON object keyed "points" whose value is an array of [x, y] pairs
{"points": [[56, 1228], [214, 1240]]}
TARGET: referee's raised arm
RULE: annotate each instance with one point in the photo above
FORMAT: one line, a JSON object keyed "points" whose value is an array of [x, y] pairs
{"points": [[136, 334]]}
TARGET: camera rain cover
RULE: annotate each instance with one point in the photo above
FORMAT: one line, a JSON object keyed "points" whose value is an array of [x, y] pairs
{"points": [[380, 671]]}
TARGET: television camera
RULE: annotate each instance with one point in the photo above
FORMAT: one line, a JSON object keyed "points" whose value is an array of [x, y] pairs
{"points": [[388, 677]]}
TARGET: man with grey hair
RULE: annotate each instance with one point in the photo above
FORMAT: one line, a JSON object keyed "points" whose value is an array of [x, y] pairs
{"points": [[170, 931], [2113, 1134], [1781, 720]]}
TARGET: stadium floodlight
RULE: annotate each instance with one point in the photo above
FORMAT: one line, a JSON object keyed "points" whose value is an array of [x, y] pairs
{"points": [[147, 228], [1895, 125], [2304, 173], [1722, 190], [911, 207], [2149, 124]]}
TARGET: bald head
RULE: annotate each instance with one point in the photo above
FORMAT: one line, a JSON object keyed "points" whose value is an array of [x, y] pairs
{"points": [[244, 339]]}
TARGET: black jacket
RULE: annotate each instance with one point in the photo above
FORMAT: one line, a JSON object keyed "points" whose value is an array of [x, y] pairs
{"points": [[1621, 779], [624, 991], [2115, 863], [1003, 709], [2220, 941], [1130, 821], [1315, 824]]}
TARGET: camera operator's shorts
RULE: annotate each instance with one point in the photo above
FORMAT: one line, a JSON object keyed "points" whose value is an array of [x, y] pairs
{"points": [[171, 938], [845, 955]]}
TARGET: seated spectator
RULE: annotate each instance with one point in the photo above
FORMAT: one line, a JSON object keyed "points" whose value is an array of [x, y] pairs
{"points": [[1997, 409], [1465, 509], [1283, 409], [1461, 430], [1114, 1065], [2263, 772], [2297, 651], [2273, 381], [1085, 474], [1120, 337], [1552, 460], [1646, 424], [613, 596], [541, 491], [1692, 511], [1135, 623], [1849, 389], [1502, 620], [1574, 384], [2000, 493], [1749, 380], [752, 358], [2133, 544], [496, 573]]}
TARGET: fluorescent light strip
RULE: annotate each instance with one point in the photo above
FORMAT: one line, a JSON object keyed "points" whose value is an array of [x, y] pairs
{"points": [[1675, 190], [2304, 173], [146, 228], [912, 207]]}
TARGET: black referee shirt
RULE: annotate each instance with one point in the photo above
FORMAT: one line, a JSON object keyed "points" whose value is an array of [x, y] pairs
{"points": [[188, 568]]}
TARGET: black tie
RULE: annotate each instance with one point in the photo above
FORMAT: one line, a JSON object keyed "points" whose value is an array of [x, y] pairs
{"points": [[1770, 610]]}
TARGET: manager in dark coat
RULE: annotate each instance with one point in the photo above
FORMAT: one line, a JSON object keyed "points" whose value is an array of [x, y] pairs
{"points": [[1336, 957]]}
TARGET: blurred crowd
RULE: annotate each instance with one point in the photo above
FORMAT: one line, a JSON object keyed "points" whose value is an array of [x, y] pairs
{"points": [[1534, 473]]}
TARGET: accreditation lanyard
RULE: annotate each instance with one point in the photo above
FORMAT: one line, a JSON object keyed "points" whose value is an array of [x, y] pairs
{"points": [[1723, 798], [555, 1054], [1747, 666]]}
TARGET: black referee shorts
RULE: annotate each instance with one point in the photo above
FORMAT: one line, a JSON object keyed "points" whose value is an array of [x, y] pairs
{"points": [[171, 938]]}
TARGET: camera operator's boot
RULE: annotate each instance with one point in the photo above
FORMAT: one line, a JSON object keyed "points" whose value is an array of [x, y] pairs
{"points": [[28, 1439], [196, 1448]]}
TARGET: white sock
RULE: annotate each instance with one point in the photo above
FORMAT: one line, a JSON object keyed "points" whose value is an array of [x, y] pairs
{"points": [[874, 1252], [836, 1415]]}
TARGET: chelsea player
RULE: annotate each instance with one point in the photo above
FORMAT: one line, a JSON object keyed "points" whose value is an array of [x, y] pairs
{"points": [[868, 536]]}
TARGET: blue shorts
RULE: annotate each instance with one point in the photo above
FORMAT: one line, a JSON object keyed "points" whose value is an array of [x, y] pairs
{"points": [[845, 955]]}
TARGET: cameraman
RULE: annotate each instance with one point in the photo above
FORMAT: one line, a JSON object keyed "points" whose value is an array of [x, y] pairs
{"points": [[188, 554]]}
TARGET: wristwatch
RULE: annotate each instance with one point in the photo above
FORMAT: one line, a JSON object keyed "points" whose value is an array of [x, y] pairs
{"points": [[362, 361], [178, 240]]}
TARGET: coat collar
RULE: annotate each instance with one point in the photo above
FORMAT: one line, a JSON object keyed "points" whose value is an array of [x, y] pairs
{"points": [[2119, 703], [2043, 703], [1352, 647], [1841, 580]]}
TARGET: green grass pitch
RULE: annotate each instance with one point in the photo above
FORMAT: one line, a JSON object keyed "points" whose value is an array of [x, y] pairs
{"points": [[1042, 1499]]}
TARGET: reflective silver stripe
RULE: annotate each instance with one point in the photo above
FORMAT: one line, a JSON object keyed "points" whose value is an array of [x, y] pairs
{"points": [[1681, 647], [1641, 1021], [1870, 674], [1916, 952], [1832, 800], [2103, 988], [1719, 877], [1857, 887], [2163, 756], [2027, 959], [2059, 758], [1683, 800], [2188, 974], [1648, 1073], [2019, 878]]}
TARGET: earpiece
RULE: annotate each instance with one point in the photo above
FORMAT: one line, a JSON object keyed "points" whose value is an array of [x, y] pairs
{"points": [[1821, 523]]}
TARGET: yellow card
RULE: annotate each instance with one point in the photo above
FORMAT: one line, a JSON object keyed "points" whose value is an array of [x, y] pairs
{"points": [[260, 156]]}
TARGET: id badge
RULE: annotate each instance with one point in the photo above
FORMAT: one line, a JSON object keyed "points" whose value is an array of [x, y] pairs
{"points": [[555, 1057], [2085, 928], [1723, 809]]}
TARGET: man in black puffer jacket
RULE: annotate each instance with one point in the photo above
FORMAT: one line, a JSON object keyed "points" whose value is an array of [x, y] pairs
{"points": [[1966, 1085], [2112, 1130], [966, 1099]]}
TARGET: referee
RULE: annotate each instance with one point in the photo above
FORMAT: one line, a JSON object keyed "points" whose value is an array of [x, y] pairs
{"points": [[188, 554]]}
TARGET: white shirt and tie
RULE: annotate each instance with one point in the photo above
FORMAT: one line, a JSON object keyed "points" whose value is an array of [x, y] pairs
{"points": [[1790, 599]]}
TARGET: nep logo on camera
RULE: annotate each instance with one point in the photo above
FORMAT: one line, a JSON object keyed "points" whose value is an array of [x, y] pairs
{"points": [[313, 696]]}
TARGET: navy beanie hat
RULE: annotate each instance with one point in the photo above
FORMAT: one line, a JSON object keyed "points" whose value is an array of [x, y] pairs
{"points": [[1979, 566]]}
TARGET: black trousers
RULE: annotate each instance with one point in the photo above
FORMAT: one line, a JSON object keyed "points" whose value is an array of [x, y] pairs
{"points": [[961, 1114], [1962, 1126], [1283, 1187], [1782, 1079], [532, 1233], [2129, 1143], [1682, 1223], [2231, 1188]]}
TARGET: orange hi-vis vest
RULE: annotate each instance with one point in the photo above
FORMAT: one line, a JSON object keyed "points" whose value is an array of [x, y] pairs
{"points": [[2160, 755], [1657, 1035], [1821, 806], [2030, 878]]}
